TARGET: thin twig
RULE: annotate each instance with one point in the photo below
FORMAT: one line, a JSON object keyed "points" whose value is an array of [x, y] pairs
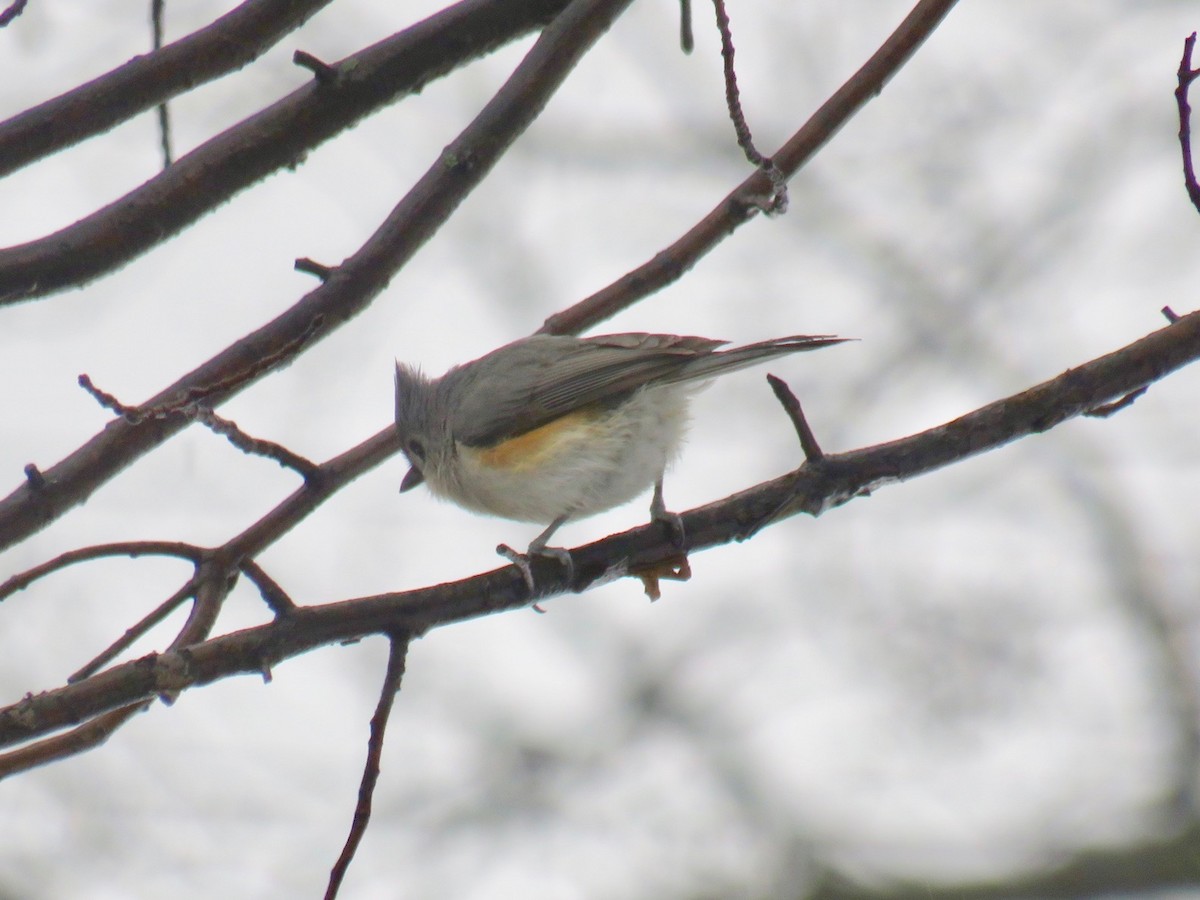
{"points": [[252, 445], [157, 9], [136, 631], [740, 205], [791, 405], [132, 549], [1185, 76], [397, 655], [777, 202], [130, 414]]}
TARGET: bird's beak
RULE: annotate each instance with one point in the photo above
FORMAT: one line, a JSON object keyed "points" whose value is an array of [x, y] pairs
{"points": [[411, 480]]}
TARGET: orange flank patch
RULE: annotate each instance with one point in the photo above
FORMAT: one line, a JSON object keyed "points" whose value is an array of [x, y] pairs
{"points": [[529, 449]]}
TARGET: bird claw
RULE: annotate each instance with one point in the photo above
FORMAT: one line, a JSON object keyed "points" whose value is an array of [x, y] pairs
{"points": [[673, 521], [521, 561]]}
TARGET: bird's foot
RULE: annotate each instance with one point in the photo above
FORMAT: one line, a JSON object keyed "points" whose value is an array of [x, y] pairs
{"points": [[673, 521], [521, 561]]}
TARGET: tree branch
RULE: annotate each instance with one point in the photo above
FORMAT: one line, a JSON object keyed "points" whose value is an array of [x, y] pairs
{"points": [[278, 136], [347, 291], [813, 489], [229, 43], [745, 201]]}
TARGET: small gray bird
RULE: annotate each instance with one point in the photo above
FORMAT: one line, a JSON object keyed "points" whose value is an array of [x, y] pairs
{"points": [[551, 428]]}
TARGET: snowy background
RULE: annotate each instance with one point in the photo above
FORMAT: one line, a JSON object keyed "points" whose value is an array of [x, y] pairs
{"points": [[960, 677]]}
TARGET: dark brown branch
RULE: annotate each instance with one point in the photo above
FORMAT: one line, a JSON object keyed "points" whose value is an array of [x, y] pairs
{"points": [[132, 549], [1185, 77], [811, 489], [397, 655], [237, 38], [14, 9], [272, 139], [461, 167], [743, 203]]}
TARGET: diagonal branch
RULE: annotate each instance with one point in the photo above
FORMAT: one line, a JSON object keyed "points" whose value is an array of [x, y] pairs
{"points": [[212, 584], [397, 659], [813, 489], [276, 137], [746, 200], [349, 289], [229, 43]]}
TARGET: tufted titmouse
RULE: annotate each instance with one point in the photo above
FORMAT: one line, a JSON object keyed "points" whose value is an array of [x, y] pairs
{"points": [[550, 428]]}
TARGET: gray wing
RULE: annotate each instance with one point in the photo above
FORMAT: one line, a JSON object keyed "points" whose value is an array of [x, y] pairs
{"points": [[535, 380]]}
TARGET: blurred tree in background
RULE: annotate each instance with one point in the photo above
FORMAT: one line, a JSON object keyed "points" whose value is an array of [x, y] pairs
{"points": [[978, 683]]}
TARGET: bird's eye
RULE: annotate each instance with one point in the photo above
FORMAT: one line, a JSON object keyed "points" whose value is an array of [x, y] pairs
{"points": [[415, 449]]}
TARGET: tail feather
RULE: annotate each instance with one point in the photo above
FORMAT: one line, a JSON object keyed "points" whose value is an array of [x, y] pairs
{"points": [[739, 357]]}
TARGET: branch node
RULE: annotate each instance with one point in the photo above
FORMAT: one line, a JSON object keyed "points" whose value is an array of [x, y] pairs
{"points": [[34, 476], [312, 267], [322, 71], [1170, 315]]}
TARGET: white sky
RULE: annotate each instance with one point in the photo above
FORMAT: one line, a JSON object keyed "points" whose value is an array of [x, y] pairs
{"points": [[948, 679]]}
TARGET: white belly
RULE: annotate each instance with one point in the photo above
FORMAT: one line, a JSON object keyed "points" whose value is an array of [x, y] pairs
{"points": [[601, 464]]}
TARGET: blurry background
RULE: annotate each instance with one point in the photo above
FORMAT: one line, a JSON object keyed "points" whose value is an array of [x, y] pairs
{"points": [[967, 677]]}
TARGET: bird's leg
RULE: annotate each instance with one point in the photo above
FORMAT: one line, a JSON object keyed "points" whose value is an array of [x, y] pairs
{"points": [[659, 513], [537, 547]]}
